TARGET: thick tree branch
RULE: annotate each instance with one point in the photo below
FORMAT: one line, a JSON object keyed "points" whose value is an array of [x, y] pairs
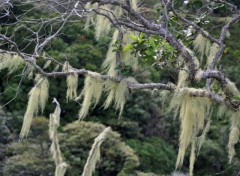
{"points": [[151, 26]]}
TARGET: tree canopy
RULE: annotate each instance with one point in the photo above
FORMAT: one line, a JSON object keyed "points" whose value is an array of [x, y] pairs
{"points": [[186, 41]]}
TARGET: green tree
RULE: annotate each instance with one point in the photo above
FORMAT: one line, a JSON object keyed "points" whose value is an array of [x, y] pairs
{"points": [[172, 37]]}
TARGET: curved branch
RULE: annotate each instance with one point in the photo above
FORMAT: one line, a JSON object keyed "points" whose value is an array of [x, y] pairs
{"points": [[160, 30]]}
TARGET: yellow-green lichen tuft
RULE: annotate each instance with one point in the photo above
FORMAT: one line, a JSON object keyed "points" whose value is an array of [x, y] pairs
{"points": [[37, 99], [91, 94]]}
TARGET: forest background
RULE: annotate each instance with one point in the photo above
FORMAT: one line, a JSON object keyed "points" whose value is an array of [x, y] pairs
{"points": [[145, 141]]}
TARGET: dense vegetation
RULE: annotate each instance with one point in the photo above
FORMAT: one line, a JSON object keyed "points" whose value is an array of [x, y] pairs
{"points": [[143, 141]]}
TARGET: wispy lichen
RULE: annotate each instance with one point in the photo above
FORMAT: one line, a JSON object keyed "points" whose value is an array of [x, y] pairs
{"points": [[192, 113], [213, 51], [121, 96], [202, 138], [37, 99], [10, 62], [88, 19], [110, 63], [72, 85], [231, 88], [202, 45], [94, 154], [126, 56], [47, 64], [134, 4], [91, 92], [103, 25], [117, 93], [233, 135], [182, 78], [54, 123], [192, 158], [110, 88], [72, 81]]}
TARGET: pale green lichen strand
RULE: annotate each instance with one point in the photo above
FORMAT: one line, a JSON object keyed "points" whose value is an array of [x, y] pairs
{"points": [[37, 99], [54, 123], [91, 94], [10, 62], [94, 154]]}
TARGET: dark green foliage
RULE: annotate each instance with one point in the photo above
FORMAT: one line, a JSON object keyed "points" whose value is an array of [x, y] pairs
{"points": [[231, 59], [30, 156], [154, 50], [76, 141], [29, 161], [151, 133], [155, 155], [213, 156], [88, 54]]}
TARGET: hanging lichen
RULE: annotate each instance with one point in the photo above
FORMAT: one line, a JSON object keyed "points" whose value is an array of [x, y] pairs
{"points": [[110, 63], [117, 93], [187, 124], [61, 169], [192, 158], [43, 97], [134, 5], [72, 82], [47, 64], [202, 45], [182, 78], [130, 60], [37, 99], [72, 85], [199, 75], [118, 11], [231, 88], [88, 6], [180, 60], [195, 60], [233, 135], [10, 62], [228, 34], [66, 67], [192, 112], [91, 92], [164, 95], [32, 110], [127, 57], [94, 154], [54, 123], [110, 89], [29, 71], [202, 138], [121, 95], [213, 51], [103, 25], [56, 68]]}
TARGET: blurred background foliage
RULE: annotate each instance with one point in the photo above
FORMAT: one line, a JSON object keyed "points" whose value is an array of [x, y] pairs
{"points": [[143, 142]]}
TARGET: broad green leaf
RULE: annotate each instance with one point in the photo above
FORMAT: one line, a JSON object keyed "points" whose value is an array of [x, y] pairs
{"points": [[133, 37], [127, 47], [141, 35]]}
